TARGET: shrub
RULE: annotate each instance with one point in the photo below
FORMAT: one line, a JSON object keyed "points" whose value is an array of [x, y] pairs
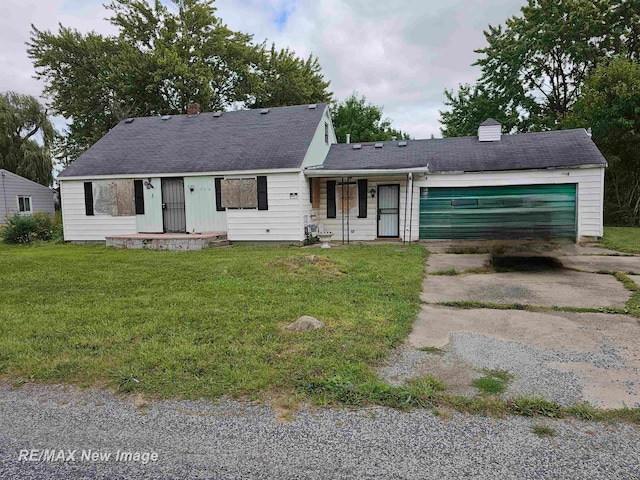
{"points": [[23, 229]]}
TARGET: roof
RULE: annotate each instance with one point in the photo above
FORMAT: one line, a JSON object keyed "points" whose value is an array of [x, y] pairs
{"points": [[232, 141], [562, 148], [490, 122], [23, 180]]}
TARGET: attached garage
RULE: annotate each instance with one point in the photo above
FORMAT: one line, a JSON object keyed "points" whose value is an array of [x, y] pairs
{"points": [[542, 185], [498, 212]]}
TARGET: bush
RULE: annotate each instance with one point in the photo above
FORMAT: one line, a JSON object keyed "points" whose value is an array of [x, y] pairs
{"points": [[24, 229]]}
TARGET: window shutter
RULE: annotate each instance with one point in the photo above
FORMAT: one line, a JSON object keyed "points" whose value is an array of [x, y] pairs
{"points": [[315, 195], [88, 198], [262, 193], [331, 199], [218, 185], [362, 198], [139, 196]]}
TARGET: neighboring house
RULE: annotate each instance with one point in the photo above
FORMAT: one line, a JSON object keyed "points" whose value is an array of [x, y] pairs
{"points": [[277, 174], [20, 195]]}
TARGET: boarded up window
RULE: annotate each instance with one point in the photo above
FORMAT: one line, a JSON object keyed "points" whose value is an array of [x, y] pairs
{"points": [[239, 193], [348, 197], [115, 198]]}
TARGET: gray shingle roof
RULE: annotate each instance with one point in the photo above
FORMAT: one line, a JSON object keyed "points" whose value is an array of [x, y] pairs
{"points": [[563, 148], [239, 140], [489, 122]]}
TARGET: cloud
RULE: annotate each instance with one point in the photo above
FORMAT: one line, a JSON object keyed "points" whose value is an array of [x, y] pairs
{"points": [[400, 54]]}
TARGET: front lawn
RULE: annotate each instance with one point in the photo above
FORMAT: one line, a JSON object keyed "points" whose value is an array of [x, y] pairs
{"points": [[202, 323], [623, 239]]}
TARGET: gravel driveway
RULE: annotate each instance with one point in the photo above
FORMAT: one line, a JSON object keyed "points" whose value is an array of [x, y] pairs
{"points": [[236, 440]]}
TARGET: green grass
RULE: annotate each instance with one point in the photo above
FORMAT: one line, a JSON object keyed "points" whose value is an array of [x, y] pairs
{"points": [[449, 272], [432, 350], [471, 304], [494, 382], [204, 324], [622, 239], [489, 385], [543, 431]]}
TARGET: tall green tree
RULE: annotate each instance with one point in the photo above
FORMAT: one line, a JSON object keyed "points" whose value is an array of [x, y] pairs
{"points": [[364, 121], [538, 60], [162, 59], [470, 106], [610, 106], [285, 79], [26, 136]]}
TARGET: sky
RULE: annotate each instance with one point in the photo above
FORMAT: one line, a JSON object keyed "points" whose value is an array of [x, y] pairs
{"points": [[399, 54]]}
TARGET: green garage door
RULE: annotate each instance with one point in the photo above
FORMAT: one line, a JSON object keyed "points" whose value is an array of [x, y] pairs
{"points": [[513, 212]]}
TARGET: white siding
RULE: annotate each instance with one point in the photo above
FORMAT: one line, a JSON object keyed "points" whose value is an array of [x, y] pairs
{"points": [[12, 186], [319, 148], [281, 222], [490, 133], [80, 227], [590, 191], [360, 229]]}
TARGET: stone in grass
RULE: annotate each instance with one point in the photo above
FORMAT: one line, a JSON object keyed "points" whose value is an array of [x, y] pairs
{"points": [[305, 323]]}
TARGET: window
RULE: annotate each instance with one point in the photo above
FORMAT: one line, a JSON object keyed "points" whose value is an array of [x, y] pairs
{"points": [[326, 132], [24, 204], [245, 193]]}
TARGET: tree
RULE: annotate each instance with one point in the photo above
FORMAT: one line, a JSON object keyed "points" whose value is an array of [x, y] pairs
{"points": [[24, 121], [610, 105], [538, 61], [362, 120], [285, 79], [471, 106], [162, 59]]}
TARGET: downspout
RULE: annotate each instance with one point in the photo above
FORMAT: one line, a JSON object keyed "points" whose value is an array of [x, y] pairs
{"points": [[411, 207], [4, 196], [342, 205], [406, 199], [348, 210]]}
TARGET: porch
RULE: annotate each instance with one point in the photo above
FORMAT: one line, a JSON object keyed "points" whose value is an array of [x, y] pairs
{"points": [[168, 241], [364, 206]]}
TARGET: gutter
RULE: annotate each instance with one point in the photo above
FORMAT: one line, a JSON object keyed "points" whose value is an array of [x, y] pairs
{"points": [[179, 174], [311, 172]]}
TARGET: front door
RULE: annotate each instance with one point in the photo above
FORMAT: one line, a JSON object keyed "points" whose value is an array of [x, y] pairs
{"points": [[173, 214], [388, 211]]}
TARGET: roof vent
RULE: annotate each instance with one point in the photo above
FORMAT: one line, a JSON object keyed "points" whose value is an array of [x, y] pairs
{"points": [[357, 146], [312, 106], [264, 111], [165, 117], [217, 114], [379, 145], [402, 144], [490, 131], [129, 120]]}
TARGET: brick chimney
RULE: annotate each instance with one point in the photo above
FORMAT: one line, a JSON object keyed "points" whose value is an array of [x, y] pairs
{"points": [[193, 109]]}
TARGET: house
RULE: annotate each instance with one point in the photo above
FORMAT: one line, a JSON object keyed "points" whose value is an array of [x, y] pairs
{"points": [[277, 174], [21, 195]]}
